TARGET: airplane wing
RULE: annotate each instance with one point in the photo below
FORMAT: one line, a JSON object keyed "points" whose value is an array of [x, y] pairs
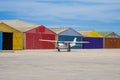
{"points": [[48, 40], [75, 42], [82, 42], [54, 41], [63, 41]]}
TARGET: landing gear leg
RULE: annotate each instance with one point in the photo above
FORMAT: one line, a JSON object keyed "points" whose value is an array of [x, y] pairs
{"points": [[58, 47], [58, 50], [69, 49]]}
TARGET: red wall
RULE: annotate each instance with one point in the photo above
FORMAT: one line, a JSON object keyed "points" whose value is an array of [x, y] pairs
{"points": [[33, 38]]}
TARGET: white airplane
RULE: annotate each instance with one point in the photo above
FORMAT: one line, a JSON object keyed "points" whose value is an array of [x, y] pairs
{"points": [[66, 44]]}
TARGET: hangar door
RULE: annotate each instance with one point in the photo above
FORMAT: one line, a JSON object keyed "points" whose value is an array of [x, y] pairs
{"points": [[112, 42], [7, 41]]}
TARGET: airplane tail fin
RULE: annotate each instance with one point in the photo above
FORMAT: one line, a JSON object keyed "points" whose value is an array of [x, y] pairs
{"points": [[75, 39], [74, 42]]}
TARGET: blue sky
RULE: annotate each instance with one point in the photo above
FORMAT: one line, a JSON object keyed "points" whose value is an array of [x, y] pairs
{"points": [[100, 15]]}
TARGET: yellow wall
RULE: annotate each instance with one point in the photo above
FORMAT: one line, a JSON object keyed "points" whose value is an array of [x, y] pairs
{"points": [[93, 34], [17, 40], [17, 36]]}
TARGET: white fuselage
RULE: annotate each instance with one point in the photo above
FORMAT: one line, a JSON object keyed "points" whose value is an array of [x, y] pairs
{"points": [[65, 45]]}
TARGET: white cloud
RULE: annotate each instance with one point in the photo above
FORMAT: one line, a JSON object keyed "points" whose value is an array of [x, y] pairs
{"points": [[53, 11], [106, 11], [101, 1]]}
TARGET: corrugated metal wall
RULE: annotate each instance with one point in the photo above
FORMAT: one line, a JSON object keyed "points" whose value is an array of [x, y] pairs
{"points": [[33, 38], [95, 43], [69, 35], [17, 40], [17, 36], [112, 43], [1, 38]]}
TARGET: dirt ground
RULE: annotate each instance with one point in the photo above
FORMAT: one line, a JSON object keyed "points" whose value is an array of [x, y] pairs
{"points": [[82, 64]]}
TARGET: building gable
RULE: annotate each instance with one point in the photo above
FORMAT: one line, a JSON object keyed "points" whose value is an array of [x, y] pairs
{"points": [[93, 34], [70, 32], [89, 33], [41, 29]]}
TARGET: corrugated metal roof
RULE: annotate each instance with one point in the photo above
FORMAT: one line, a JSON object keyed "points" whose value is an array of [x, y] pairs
{"points": [[109, 34], [19, 25], [84, 32], [58, 30], [104, 34]]}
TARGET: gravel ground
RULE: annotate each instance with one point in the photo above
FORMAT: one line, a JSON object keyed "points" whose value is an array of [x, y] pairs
{"points": [[83, 64]]}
